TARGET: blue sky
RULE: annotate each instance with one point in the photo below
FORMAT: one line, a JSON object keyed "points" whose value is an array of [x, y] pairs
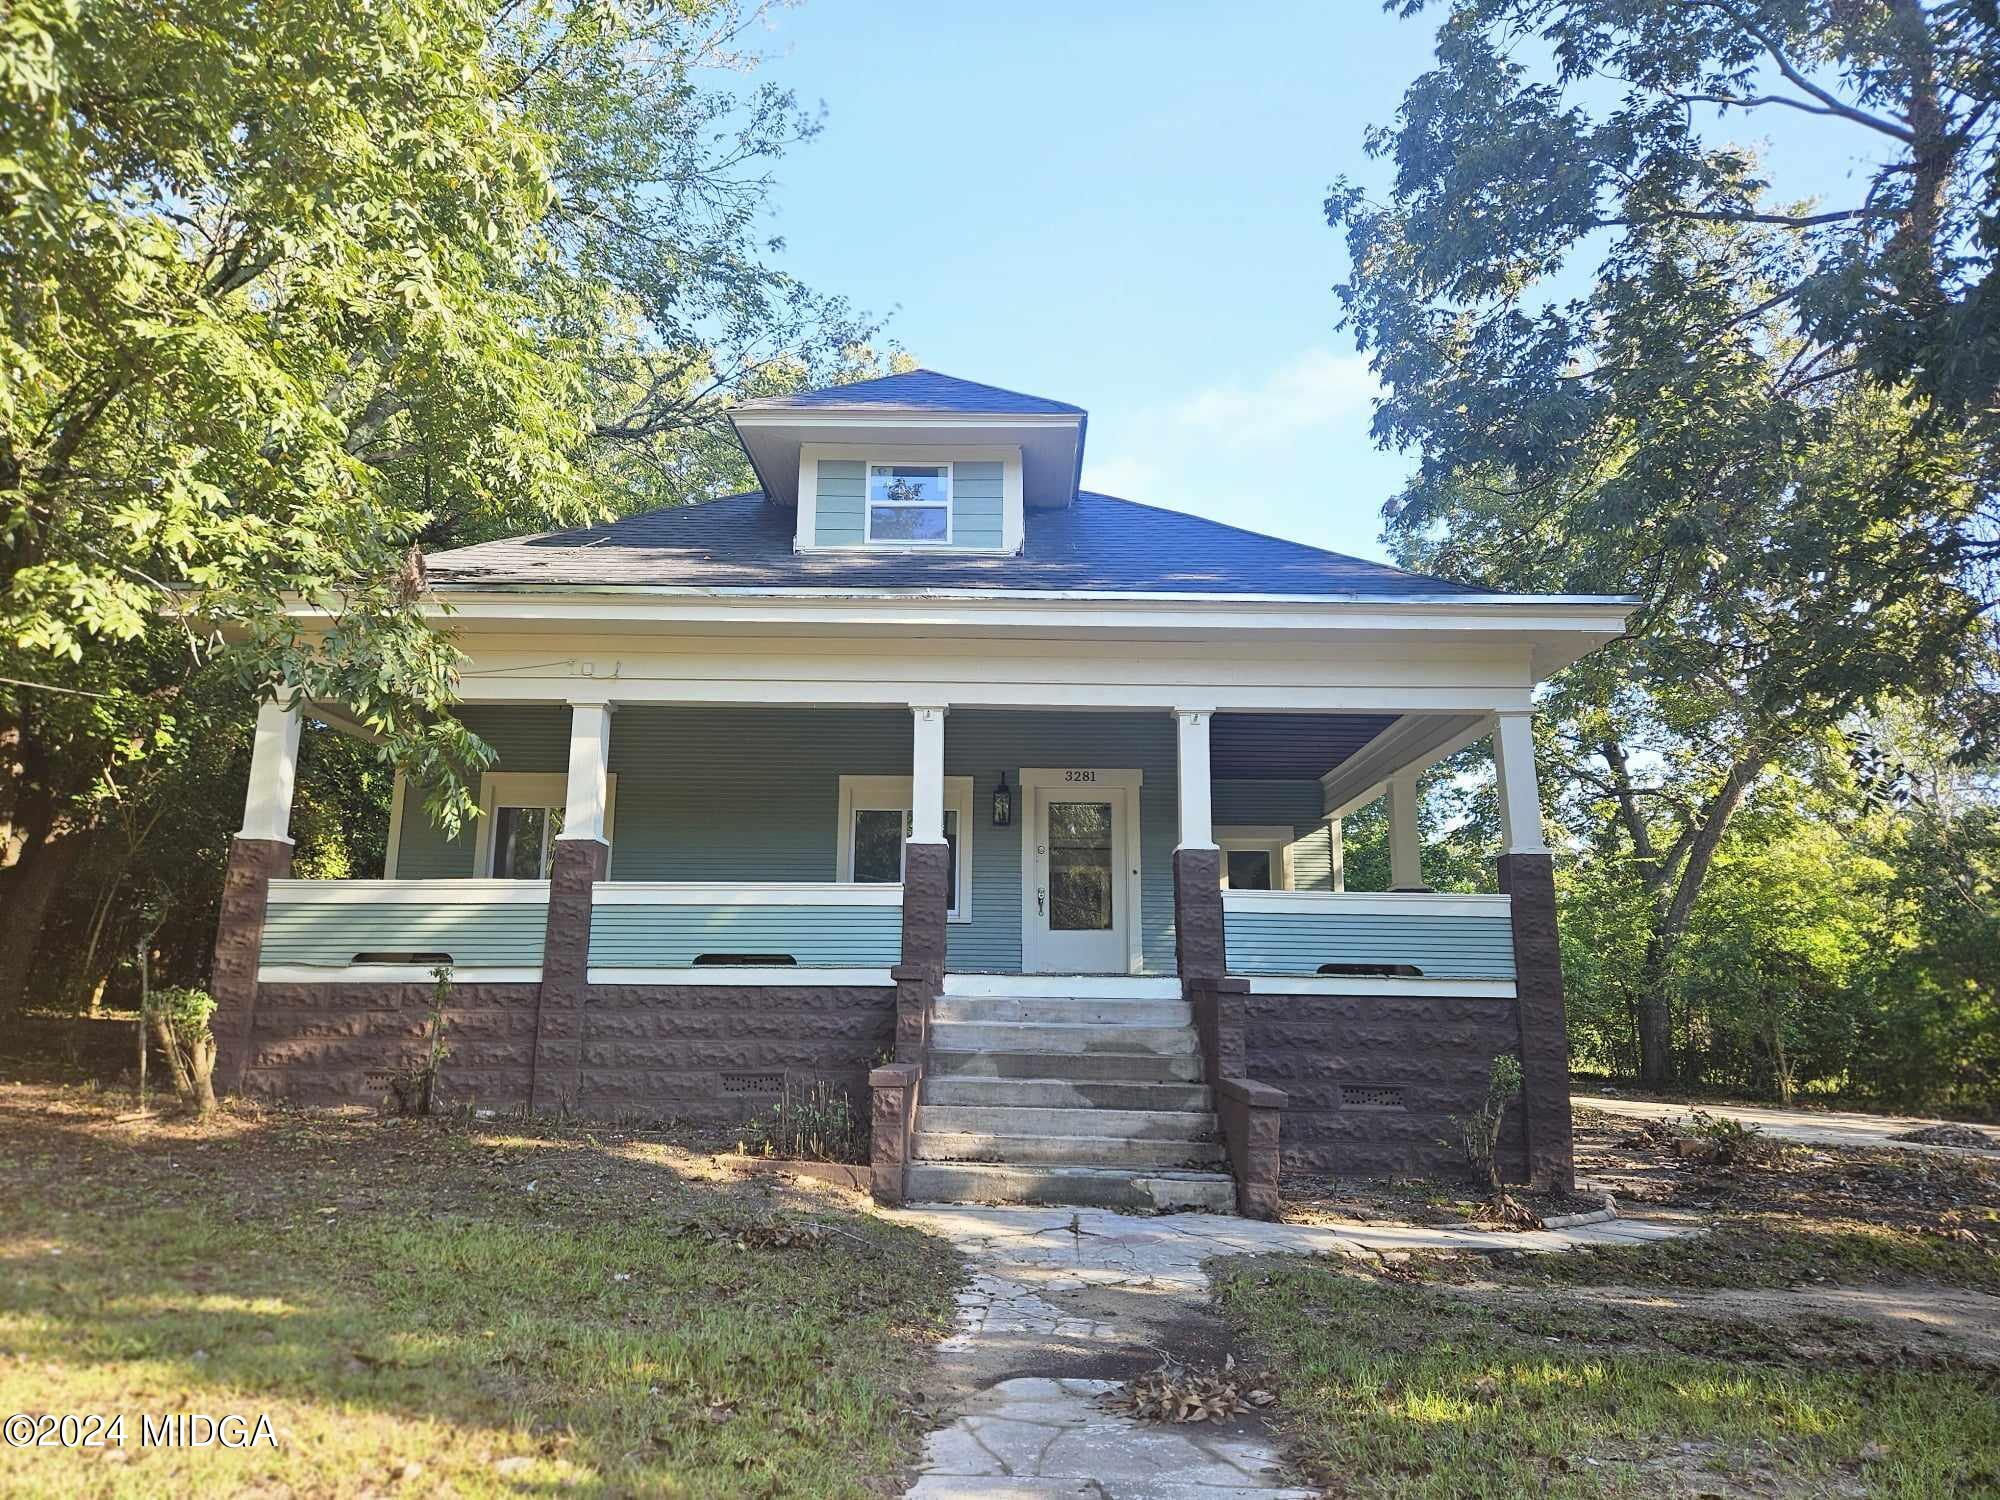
{"points": [[1114, 204]]}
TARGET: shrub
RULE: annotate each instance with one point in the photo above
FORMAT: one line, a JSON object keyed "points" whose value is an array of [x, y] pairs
{"points": [[180, 1018], [810, 1123], [1479, 1134]]}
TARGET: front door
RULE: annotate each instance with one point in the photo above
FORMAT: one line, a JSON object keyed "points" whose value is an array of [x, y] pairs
{"points": [[1082, 917]]}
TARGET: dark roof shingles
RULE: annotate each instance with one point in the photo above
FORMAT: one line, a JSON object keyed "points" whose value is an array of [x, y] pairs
{"points": [[1100, 544], [917, 390]]}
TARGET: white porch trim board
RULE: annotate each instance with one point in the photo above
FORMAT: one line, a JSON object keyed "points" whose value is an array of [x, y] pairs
{"points": [[393, 974], [743, 893], [746, 976]]}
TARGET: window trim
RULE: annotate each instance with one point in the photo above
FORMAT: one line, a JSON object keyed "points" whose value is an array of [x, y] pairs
{"points": [[869, 502], [892, 793], [1274, 839], [499, 789]]}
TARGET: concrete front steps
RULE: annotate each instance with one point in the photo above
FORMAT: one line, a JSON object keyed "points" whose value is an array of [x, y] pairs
{"points": [[1065, 1089]]}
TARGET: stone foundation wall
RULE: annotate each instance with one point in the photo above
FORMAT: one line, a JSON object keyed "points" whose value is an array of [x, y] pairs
{"points": [[688, 1051], [714, 1054], [324, 1044], [1332, 1055]]}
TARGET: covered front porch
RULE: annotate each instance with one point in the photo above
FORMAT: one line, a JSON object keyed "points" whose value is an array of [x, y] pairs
{"points": [[741, 844]]}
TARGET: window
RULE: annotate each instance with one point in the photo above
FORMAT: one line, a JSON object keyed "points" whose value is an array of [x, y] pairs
{"points": [[1256, 859], [521, 818], [875, 823], [909, 503], [524, 842]]}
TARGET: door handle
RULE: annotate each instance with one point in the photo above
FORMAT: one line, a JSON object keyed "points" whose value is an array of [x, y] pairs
{"points": [[1041, 897]]}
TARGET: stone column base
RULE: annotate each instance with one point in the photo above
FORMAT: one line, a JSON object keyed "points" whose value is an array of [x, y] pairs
{"points": [[239, 948], [892, 1118], [1529, 881], [558, 1073], [1249, 1114]]}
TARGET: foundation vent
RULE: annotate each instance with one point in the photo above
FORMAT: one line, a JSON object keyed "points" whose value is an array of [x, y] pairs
{"points": [[753, 1083], [1371, 1096]]}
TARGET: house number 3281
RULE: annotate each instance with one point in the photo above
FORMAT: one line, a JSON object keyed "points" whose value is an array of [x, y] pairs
{"points": [[1079, 776]]}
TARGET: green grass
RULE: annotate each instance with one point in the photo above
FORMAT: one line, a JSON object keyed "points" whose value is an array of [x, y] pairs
{"points": [[1404, 1391], [604, 1334]]}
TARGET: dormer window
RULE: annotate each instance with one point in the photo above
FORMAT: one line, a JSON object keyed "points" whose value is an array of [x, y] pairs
{"points": [[909, 503]]}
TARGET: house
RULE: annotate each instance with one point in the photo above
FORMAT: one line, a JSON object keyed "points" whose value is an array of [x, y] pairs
{"points": [[1012, 808]]}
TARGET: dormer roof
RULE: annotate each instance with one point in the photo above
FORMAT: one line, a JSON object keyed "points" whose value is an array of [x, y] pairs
{"points": [[915, 391], [917, 409]]}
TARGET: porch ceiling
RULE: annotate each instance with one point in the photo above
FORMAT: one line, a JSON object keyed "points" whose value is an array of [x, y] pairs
{"points": [[1287, 747]]}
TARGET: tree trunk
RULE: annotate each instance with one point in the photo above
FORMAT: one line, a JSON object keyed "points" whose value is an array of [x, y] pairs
{"points": [[170, 1045], [25, 897], [1656, 1024]]}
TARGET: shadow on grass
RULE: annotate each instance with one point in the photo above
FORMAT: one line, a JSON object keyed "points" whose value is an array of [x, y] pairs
{"points": [[504, 1315]]}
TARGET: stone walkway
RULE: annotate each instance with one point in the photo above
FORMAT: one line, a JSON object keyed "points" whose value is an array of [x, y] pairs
{"points": [[1065, 1303], [1809, 1127]]}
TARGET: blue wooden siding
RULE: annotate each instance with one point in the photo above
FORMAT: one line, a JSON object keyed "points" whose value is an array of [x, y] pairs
{"points": [[753, 794], [307, 932], [978, 499], [1453, 946], [840, 503], [742, 794], [527, 737], [672, 936]]}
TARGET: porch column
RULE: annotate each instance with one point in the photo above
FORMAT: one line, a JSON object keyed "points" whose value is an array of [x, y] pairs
{"points": [[1520, 799], [927, 774], [1197, 824], [582, 858], [1406, 872], [1337, 855], [926, 890], [274, 764], [260, 853], [1199, 948], [589, 771], [1527, 876]]}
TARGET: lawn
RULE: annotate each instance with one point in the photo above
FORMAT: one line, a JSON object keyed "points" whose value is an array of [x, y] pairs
{"points": [[1835, 1331], [1398, 1389], [442, 1307]]}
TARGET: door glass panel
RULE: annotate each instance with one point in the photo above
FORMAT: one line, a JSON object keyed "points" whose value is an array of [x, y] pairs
{"points": [[878, 845], [1249, 870], [1080, 867], [951, 857]]}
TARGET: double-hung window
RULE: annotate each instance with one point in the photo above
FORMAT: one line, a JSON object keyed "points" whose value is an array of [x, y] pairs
{"points": [[909, 503], [523, 815], [875, 823]]}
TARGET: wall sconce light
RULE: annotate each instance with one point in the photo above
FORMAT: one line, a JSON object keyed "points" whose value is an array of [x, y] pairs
{"points": [[1003, 803]]}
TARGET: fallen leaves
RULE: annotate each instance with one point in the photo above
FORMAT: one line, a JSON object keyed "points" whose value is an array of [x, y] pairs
{"points": [[1178, 1393]]}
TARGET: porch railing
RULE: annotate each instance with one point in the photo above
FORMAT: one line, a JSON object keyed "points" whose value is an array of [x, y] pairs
{"points": [[1414, 933], [339, 924], [638, 925]]}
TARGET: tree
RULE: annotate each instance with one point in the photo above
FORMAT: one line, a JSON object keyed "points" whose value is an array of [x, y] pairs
{"points": [[1759, 417], [293, 290]]}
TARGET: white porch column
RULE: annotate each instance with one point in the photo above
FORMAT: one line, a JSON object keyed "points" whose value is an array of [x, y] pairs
{"points": [[1406, 866], [1337, 852], [589, 771], [927, 774], [1197, 815], [274, 764], [1520, 798]]}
